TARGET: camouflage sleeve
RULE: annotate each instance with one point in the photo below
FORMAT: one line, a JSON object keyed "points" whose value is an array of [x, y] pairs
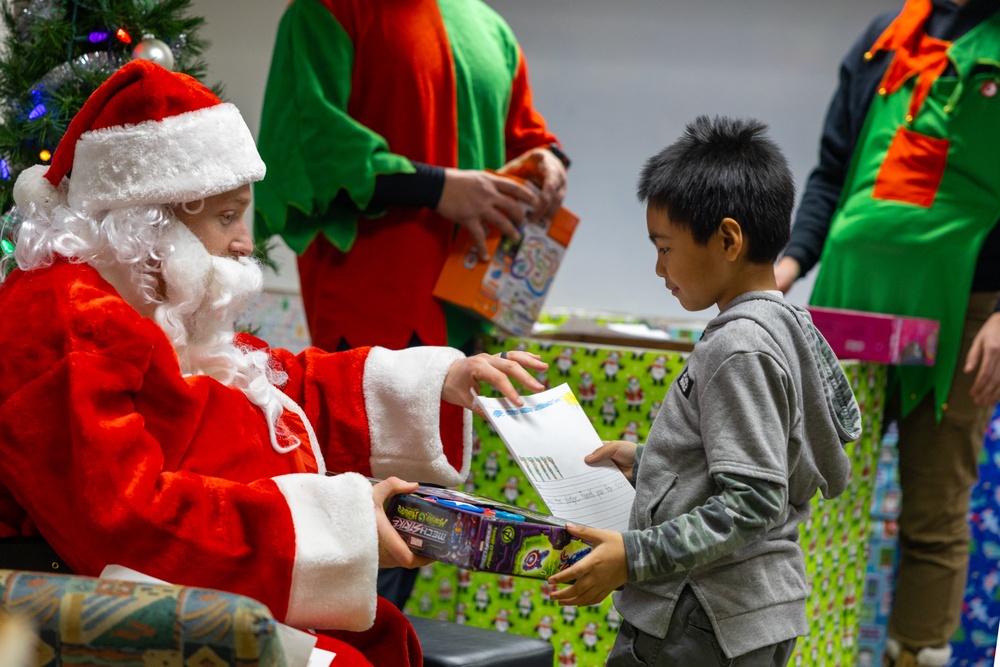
{"points": [[745, 509]]}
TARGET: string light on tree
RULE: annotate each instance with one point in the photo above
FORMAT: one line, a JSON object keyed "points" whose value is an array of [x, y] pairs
{"points": [[57, 52]]}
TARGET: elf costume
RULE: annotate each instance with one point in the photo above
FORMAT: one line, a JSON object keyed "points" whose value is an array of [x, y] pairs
{"points": [[922, 160], [113, 455], [904, 205], [358, 91]]}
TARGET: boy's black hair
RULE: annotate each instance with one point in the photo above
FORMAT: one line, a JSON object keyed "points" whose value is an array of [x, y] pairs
{"points": [[724, 168]]}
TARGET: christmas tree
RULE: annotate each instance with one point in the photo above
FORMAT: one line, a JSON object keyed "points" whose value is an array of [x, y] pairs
{"points": [[57, 52]]}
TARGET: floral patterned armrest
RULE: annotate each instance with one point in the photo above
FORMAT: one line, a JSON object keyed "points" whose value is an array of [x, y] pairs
{"points": [[85, 620]]}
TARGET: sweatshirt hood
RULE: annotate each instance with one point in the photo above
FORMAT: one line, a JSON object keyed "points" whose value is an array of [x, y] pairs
{"points": [[837, 412], [842, 406]]}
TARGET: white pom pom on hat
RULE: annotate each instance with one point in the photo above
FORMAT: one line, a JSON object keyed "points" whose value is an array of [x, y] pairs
{"points": [[34, 194], [145, 136]]}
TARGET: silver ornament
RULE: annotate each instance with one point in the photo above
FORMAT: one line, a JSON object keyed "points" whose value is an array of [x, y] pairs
{"points": [[156, 51]]}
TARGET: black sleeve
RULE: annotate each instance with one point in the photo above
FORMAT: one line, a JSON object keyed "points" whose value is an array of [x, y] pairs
{"points": [[421, 189]]}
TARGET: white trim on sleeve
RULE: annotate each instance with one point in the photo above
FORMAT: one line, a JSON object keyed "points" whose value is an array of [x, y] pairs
{"points": [[402, 391], [336, 551]]}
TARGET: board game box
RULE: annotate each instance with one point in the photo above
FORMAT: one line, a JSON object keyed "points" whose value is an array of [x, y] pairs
{"points": [[510, 289], [482, 534]]}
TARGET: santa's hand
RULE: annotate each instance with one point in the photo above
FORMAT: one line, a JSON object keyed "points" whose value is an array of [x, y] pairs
{"points": [[598, 573], [462, 383], [476, 199], [619, 452], [392, 550]]}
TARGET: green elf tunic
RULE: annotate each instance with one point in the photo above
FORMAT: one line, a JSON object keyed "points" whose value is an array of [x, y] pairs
{"points": [[360, 88], [922, 192]]}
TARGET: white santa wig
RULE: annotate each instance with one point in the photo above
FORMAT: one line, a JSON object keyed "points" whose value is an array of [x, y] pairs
{"points": [[146, 140]]}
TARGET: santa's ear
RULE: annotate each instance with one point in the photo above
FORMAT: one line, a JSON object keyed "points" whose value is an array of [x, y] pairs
{"points": [[35, 195]]}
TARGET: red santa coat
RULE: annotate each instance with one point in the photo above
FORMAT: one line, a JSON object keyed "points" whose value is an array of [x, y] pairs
{"points": [[113, 457]]}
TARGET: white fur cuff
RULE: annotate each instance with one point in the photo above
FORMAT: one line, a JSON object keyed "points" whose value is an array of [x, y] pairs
{"points": [[336, 551], [403, 400]]}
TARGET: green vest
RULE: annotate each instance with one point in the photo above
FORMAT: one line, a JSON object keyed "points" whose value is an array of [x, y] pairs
{"points": [[919, 199]]}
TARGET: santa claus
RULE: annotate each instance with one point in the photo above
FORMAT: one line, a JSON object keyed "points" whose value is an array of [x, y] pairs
{"points": [[136, 427]]}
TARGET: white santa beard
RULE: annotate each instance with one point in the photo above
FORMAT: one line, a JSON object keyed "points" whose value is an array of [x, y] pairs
{"points": [[204, 296]]}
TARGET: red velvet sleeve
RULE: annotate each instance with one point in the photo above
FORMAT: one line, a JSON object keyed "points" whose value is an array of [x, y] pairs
{"points": [[114, 458], [330, 389], [379, 412]]}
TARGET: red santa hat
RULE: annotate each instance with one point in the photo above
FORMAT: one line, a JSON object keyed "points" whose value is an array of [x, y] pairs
{"points": [[145, 136]]}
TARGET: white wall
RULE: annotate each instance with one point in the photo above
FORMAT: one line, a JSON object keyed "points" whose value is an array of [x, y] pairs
{"points": [[617, 80]]}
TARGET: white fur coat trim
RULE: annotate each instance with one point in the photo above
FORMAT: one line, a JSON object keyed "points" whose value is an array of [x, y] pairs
{"points": [[178, 159], [403, 400], [336, 551]]}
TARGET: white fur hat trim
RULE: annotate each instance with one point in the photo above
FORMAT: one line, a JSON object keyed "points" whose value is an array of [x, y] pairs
{"points": [[178, 159]]}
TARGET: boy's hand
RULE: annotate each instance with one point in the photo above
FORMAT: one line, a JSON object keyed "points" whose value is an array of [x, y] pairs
{"points": [[619, 452], [601, 571]]}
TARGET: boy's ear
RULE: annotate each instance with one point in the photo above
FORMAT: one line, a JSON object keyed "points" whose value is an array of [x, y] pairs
{"points": [[731, 235]]}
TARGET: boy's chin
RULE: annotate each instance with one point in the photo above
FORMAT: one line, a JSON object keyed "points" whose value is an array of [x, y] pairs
{"points": [[693, 307]]}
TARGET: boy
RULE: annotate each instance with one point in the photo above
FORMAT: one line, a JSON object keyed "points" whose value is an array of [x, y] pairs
{"points": [[752, 427]]}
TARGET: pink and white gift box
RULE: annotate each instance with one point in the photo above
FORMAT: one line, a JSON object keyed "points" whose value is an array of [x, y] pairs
{"points": [[878, 337]]}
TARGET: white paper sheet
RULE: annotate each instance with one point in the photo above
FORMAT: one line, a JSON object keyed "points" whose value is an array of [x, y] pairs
{"points": [[549, 436]]}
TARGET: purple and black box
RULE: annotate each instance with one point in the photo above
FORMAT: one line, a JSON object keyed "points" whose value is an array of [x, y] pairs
{"points": [[473, 533]]}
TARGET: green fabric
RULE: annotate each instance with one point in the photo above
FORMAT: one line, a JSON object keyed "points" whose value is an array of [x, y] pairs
{"points": [[479, 42], [312, 148], [482, 97], [921, 260]]}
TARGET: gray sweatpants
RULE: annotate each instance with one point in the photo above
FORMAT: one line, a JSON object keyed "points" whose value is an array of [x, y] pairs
{"points": [[690, 641]]}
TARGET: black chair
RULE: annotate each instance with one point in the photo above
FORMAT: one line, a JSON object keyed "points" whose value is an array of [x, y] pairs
{"points": [[452, 645], [30, 554]]}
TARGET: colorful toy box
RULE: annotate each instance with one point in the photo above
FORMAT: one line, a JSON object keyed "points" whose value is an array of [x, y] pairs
{"points": [[484, 535], [884, 339], [510, 289]]}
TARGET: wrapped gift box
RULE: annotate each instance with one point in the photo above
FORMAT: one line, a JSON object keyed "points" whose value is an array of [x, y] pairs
{"points": [[483, 535], [884, 339]]}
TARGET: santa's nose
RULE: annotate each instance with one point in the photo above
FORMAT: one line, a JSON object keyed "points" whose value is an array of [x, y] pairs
{"points": [[242, 244]]}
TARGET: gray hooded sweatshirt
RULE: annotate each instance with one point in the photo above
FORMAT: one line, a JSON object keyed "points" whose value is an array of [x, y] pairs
{"points": [[761, 410]]}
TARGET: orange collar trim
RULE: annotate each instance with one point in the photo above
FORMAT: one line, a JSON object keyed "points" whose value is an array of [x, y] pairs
{"points": [[916, 54]]}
